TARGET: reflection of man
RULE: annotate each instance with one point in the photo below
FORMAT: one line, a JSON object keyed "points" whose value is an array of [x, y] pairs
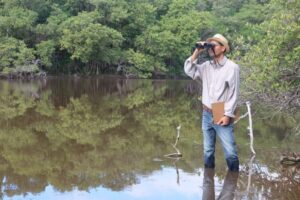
{"points": [[228, 189], [220, 83]]}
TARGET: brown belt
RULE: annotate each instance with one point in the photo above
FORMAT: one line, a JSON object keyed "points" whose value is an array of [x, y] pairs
{"points": [[207, 108]]}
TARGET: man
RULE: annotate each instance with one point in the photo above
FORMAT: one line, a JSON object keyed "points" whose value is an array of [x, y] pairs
{"points": [[220, 83]]}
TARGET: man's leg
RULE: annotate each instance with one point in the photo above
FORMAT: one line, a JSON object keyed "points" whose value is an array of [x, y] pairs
{"points": [[209, 140], [226, 135]]}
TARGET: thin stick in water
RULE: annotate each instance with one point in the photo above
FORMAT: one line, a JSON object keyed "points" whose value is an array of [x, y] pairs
{"points": [[177, 154], [250, 126]]}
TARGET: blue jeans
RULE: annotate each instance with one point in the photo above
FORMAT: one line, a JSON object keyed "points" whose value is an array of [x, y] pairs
{"points": [[226, 136]]}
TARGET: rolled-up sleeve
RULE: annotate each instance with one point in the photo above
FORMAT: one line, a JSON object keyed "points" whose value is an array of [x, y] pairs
{"points": [[193, 70], [233, 92]]}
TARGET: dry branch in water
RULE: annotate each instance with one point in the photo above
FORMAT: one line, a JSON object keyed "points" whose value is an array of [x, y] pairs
{"points": [[177, 154], [250, 128]]}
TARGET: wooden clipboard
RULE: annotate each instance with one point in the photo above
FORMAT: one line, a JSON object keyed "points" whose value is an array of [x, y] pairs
{"points": [[218, 110]]}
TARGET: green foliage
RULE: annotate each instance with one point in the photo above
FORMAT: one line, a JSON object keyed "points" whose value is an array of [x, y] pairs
{"points": [[45, 51], [31, 68], [150, 38], [142, 65], [17, 22], [226, 8], [14, 53], [178, 8], [114, 11], [140, 16], [41, 7], [87, 40], [273, 63], [76, 6], [170, 41], [50, 29]]}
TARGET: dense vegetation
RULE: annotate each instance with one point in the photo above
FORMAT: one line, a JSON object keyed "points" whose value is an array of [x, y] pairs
{"points": [[148, 38]]}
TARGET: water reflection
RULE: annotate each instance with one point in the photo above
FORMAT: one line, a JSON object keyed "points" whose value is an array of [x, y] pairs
{"points": [[103, 133], [229, 185]]}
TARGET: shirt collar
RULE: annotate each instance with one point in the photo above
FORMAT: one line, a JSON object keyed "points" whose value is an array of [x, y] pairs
{"points": [[221, 63]]}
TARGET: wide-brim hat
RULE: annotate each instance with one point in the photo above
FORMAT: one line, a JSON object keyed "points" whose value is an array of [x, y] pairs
{"points": [[221, 39]]}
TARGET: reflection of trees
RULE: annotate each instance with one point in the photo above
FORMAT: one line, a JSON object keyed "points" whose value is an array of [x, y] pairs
{"points": [[284, 185], [13, 102], [89, 141], [80, 120], [99, 132], [272, 136]]}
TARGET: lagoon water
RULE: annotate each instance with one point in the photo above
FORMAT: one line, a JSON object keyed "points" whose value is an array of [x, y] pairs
{"points": [[106, 137]]}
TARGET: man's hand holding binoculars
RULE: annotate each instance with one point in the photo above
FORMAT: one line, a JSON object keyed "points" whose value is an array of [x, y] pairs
{"points": [[198, 50], [201, 46]]}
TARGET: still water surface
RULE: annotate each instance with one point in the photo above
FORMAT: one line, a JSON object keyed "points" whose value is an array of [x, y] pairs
{"points": [[106, 137]]}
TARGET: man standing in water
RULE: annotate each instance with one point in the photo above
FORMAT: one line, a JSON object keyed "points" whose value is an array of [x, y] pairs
{"points": [[220, 83]]}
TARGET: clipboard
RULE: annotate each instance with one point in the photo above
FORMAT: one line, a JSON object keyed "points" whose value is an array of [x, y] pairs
{"points": [[218, 110]]}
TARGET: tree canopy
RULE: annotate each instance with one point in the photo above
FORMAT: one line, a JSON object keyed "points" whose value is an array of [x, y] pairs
{"points": [[144, 38]]}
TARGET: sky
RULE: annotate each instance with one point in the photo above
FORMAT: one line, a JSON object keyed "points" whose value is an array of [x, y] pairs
{"points": [[159, 185]]}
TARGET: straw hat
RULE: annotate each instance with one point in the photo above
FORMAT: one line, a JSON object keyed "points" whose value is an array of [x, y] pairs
{"points": [[220, 38]]}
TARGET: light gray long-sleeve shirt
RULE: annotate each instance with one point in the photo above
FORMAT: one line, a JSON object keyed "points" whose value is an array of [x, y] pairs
{"points": [[220, 82]]}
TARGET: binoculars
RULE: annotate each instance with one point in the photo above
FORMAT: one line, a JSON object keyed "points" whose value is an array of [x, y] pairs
{"points": [[206, 45]]}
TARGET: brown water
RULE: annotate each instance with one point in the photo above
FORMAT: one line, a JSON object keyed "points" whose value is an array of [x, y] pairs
{"points": [[105, 138]]}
